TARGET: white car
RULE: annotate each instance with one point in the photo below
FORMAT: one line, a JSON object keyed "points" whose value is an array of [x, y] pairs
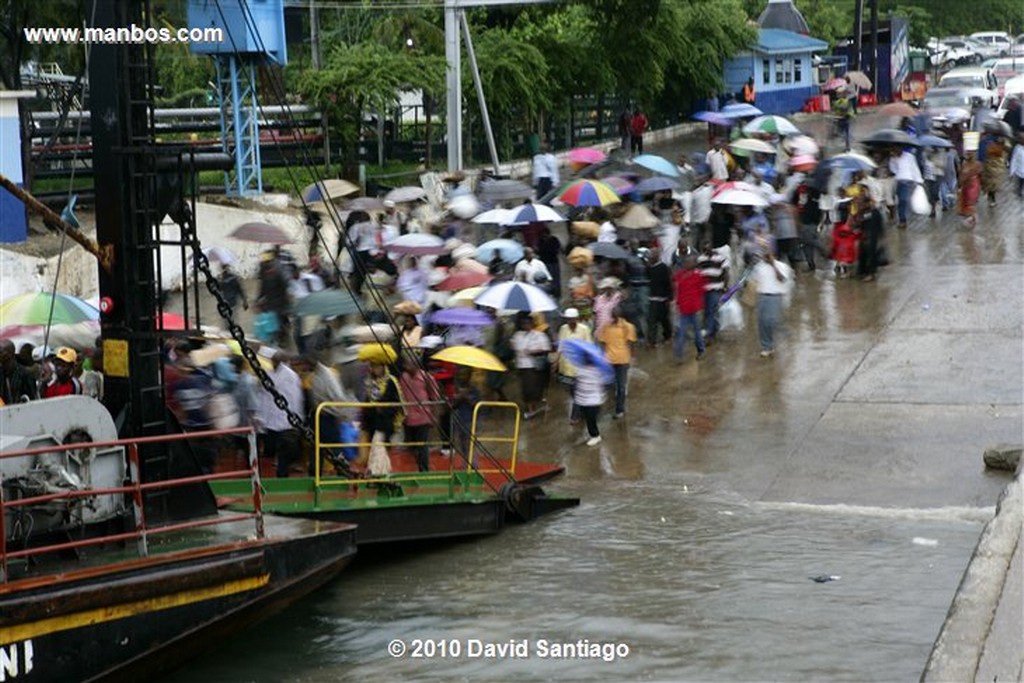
{"points": [[1017, 49], [952, 52], [993, 43]]}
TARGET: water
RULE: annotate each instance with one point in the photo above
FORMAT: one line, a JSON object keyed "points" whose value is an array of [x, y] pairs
{"points": [[699, 586]]}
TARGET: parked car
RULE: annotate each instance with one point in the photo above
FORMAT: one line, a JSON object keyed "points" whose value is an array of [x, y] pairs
{"points": [[1005, 69], [1013, 88], [969, 77], [993, 43], [1017, 49], [952, 52]]}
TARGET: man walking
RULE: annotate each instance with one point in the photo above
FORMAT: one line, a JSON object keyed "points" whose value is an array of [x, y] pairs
{"points": [[637, 128], [689, 302], [714, 266], [545, 171], [618, 337]]}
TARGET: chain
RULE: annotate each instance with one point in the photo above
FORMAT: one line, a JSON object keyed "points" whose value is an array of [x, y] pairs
{"points": [[238, 334]]}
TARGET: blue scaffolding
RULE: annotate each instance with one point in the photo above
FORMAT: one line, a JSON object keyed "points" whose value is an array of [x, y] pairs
{"points": [[239, 123]]}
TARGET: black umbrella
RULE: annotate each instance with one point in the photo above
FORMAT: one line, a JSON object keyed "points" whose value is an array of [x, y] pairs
{"points": [[890, 136], [608, 250]]}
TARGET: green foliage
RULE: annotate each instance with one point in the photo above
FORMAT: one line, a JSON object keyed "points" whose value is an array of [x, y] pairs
{"points": [[16, 15]]}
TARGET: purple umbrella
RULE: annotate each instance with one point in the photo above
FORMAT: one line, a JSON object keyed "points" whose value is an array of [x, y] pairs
{"points": [[714, 117], [468, 317]]}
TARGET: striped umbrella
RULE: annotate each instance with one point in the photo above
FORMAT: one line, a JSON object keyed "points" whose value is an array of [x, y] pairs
{"points": [[775, 125], [588, 193], [34, 309], [533, 213]]}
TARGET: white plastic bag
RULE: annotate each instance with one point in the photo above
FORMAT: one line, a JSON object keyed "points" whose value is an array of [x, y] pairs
{"points": [[919, 203], [730, 315], [379, 462]]}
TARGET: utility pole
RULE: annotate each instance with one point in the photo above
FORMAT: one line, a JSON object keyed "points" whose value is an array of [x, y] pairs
{"points": [[858, 34], [317, 58], [874, 43]]}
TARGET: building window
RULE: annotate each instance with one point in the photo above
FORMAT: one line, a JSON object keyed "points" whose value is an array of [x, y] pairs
{"points": [[766, 71], [779, 78], [797, 74]]}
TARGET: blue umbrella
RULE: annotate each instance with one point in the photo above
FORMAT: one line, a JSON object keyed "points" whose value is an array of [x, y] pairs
{"points": [[740, 111], [579, 353], [656, 184], [460, 315], [714, 117], [934, 141], [657, 164], [511, 251]]}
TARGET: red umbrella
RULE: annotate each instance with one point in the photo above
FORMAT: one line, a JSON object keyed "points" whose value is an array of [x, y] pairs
{"points": [[463, 280], [264, 233], [835, 84], [586, 155]]}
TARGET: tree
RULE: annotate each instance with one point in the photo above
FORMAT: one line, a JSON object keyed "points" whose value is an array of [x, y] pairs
{"points": [[366, 76]]}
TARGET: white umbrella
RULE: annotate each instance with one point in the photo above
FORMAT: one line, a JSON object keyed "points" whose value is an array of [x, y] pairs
{"points": [[464, 206], [516, 296], [778, 125], [222, 255], [496, 216], [753, 145], [409, 193], [738, 197], [533, 213], [417, 244], [801, 144]]}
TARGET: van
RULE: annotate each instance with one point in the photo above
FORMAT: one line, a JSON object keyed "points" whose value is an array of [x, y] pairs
{"points": [[994, 43], [1012, 88]]}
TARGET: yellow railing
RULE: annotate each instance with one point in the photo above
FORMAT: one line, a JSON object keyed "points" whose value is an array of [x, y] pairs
{"points": [[474, 439]]}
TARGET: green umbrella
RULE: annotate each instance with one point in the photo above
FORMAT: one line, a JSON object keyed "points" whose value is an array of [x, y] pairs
{"points": [[325, 303], [35, 309]]}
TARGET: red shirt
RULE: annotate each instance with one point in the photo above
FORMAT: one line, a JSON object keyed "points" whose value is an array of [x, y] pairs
{"points": [[689, 291], [638, 124], [68, 388]]}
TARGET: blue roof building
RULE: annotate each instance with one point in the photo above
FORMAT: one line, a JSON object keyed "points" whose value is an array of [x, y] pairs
{"points": [[780, 63]]}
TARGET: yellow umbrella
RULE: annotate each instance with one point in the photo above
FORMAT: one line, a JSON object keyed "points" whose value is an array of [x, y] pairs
{"points": [[377, 353], [466, 296], [471, 357]]}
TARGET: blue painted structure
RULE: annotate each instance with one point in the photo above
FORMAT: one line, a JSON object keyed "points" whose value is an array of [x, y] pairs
{"points": [[780, 62], [254, 34], [893, 57], [13, 220]]}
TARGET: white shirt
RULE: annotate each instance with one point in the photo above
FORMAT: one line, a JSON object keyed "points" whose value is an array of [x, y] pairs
{"points": [[526, 271], [525, 344], [764, 275], [545, 165], [366, 236], [607, 232], [904, 167], [588, 390], [716, 160], [287, 382], [700, 204], [1017, 162]]}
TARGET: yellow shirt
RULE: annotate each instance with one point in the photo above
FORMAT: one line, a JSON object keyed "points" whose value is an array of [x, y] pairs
{"points": [[616, 338]]}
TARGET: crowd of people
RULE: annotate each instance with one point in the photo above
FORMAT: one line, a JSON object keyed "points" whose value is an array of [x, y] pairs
{"points": [[677, 282]]}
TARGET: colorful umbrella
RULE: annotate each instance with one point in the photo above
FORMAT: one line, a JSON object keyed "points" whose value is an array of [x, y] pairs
{"points": [[326, 190], [741, 111], [457, 281], [586, 155], [34, 309], [416, 244], [580, 353], [326, 303], [714, 117], [775, 125], [533, 213], [803, 162], [264, 233], [834, 84], [471, 357], [587, 192], [510, 250], [516, 296], [468, 317], [658, 164], [409, 193]]}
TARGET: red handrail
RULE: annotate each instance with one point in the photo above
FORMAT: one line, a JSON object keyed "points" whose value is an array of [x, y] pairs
{"points": [[136, 489]]}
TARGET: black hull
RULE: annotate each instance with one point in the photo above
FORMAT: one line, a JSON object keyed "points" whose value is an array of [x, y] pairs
{"points": [[140, 619]]}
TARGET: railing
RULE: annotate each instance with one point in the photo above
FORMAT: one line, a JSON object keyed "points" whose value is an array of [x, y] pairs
{"points": [[450, 476], [135, 488]]}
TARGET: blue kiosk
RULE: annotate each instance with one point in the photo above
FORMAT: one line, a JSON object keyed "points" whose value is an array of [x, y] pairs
{"points": [[253, 32], [13, 221]]}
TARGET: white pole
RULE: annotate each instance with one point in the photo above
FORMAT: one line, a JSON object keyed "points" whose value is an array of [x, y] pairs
{"points": [[480, 92], [452, 53]]}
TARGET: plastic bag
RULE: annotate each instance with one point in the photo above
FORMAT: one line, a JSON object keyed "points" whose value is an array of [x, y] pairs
{"points": [[379, 462], [266, 325], [919, 203], [730, 315]]}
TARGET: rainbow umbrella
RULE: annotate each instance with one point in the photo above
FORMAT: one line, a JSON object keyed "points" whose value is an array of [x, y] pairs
{"points": [[588, 193], [34, 309]]}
